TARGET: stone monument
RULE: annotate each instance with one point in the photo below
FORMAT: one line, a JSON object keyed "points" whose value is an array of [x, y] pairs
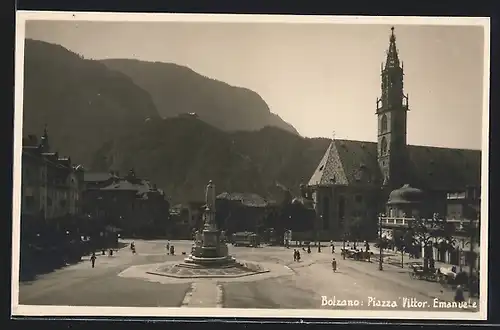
{"points": [[209, 249], [209, 256]]}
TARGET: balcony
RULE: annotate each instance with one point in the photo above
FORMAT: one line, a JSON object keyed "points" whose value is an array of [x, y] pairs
{"points": [[395, 221]]}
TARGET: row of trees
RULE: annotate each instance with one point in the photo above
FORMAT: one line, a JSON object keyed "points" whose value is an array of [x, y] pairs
{"points": [[433, 232]]}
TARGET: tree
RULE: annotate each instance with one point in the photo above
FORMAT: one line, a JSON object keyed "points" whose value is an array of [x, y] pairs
{"points": [[382, 242], [445, 232], [404, 242], [424, 231]]}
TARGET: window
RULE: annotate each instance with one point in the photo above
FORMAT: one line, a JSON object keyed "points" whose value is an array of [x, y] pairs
{"points": [[383, 123], [383, 146]]}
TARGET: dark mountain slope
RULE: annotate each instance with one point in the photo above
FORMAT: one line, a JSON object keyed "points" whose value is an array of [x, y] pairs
{"points": [[182, 154], [82, 101]]}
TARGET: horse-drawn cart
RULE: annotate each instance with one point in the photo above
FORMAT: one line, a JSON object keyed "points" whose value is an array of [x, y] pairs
{"points": [[357, 255], [420, 273]]}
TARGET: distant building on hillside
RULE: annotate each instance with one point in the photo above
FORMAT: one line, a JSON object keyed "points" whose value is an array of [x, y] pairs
{"points": [[130, 203]]}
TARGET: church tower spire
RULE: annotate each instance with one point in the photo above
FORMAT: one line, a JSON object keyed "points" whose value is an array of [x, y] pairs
{"points": [[392, 53], [392, 109]]}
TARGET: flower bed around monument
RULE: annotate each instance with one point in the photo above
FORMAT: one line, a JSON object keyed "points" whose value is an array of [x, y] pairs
{"points": [[181, 271]]}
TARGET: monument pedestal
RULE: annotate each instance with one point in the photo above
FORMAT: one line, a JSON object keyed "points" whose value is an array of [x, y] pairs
{"points": [[210, 251], [209, 256]]}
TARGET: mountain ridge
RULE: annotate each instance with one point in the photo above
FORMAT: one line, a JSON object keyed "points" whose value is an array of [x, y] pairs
{"points": [[103, 119], [177, 89], [243, 161], [81, 101]]}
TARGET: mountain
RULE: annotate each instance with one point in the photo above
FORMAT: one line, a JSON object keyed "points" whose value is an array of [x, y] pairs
{"points": [[106, 120], [177, 89], [182, 154], [82, 102]]}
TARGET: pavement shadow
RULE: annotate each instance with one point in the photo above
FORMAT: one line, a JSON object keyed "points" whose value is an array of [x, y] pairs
{"points": [[31, 269], [28, 273]]}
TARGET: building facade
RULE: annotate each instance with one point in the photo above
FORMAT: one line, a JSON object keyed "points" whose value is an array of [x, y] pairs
{"points": [[240, 212], [454, 237], [51, 207], [52, 186], [354, 178], [129, 203]]}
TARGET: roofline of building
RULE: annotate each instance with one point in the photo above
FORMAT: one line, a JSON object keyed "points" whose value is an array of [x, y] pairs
{"points": [[409, 145]]}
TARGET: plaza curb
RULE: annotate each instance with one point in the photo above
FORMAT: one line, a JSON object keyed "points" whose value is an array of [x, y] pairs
{"points": [[208, 276]]}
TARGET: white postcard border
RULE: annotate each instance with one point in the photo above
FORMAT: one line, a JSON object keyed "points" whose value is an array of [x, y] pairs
{"points": [[25, 310]]}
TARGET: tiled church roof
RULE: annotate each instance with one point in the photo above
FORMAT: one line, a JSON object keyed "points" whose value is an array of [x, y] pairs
{"points": [[445, 168], [359, 160], [349, 162], [330, 169]]}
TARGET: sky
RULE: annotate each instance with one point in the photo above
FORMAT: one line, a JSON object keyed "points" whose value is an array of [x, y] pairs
{"points": [[323, 79]]}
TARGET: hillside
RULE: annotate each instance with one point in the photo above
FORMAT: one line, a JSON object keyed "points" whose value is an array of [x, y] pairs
{"points": [[82, 101], [182, 154], [177, 89]]}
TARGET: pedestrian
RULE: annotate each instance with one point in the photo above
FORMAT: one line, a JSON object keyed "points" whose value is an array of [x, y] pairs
{"points": [[110, 252], [172, 250], [103, 252], [168, 247], [294, 254], [334, 265], [308, 249], [459, 294], [298, 256], [333, 248], [92, 259]]}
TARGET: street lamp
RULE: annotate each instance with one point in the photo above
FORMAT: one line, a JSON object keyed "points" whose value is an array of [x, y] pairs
{"points": [[380, 260], [317, 234], [343, 243]]}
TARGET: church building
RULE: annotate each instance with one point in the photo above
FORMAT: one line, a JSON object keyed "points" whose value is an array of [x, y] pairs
{"points": [[354, 178]]}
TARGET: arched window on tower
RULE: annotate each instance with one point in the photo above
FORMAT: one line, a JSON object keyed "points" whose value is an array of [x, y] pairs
{"points": [[383, 146], [383, 123]]}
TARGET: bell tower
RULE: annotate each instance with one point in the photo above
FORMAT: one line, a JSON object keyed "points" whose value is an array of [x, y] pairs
{"points": [[391, 113]]}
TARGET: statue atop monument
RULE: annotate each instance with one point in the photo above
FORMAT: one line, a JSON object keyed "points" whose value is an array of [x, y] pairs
{"points": [[210, 196]]}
